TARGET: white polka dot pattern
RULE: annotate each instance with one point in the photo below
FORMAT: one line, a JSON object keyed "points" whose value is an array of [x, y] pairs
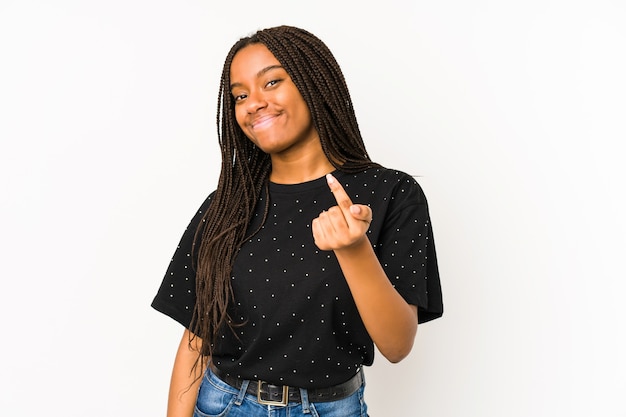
{"points": [[299, 324]]}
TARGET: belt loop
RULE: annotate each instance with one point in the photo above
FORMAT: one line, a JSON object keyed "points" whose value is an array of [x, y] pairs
{"points": [[242, 391], [304, 397]]}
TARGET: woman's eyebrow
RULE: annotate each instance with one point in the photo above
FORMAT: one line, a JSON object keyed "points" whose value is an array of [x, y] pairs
{"points": [[260, 73]]}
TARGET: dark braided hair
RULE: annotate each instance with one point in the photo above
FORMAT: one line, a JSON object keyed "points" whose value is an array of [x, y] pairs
{"points": [[245, 168]]}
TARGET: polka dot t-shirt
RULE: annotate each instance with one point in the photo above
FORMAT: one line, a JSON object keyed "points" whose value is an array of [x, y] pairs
{"points": [[300, 325]]}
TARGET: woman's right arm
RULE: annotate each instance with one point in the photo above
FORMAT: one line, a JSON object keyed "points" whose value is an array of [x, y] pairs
{"points": [[185, 378]]}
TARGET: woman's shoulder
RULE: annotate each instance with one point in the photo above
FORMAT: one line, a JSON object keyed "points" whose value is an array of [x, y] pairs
{"points": [[384, 173], [393, 180]]}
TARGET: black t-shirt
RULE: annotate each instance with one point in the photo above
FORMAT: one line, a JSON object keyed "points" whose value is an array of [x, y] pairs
{"points": [[300, 326]]}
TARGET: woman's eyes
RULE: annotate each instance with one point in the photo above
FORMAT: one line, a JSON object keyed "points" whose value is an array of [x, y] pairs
{"points": [[269, 84]]}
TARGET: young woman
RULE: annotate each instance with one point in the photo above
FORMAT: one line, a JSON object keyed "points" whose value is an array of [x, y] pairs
{"points": [[305, 256]]}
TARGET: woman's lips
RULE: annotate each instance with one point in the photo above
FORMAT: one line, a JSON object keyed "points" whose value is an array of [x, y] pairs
{"points": [[263, 121]]}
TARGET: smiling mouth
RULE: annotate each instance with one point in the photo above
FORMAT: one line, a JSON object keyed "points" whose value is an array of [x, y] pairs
{"points": [[263, 122]]}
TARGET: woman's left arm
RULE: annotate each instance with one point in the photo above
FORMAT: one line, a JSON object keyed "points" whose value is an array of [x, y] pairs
{"points": [[390, 321]]}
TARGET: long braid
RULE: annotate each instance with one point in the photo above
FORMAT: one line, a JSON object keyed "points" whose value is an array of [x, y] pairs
{"points": [[318, 77], [245, 168]]}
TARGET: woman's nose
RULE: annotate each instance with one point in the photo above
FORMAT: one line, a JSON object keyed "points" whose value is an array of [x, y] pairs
{"points": [[255, 102]]}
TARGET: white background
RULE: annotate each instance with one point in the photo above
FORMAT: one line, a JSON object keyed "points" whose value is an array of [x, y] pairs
{"points": [[512, 113]]}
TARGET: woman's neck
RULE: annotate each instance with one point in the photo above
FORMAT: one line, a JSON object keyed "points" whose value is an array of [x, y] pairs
{"points": [[298, 170]]}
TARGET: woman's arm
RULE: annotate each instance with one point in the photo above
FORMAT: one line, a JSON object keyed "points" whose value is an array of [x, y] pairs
{"points": [[185, 378], [388, 318], [390, 321]]}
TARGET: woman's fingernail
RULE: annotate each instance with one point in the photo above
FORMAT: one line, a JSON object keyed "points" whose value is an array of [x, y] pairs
{"points": [[330, 179]]}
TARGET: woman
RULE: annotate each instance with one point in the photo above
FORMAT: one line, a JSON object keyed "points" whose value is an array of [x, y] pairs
{"points": [[305, 256]]}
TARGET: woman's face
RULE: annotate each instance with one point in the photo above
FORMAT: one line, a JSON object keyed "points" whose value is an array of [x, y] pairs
{"points": [[268, 106]]}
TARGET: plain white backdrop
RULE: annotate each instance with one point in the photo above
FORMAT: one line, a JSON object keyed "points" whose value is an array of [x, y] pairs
{"points": [[511, 112]]}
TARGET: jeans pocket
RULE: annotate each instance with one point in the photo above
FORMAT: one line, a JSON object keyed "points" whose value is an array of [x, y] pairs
{"points": [[352, 406], [213, 401]]}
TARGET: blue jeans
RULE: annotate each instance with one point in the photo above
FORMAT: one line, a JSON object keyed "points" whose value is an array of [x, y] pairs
{"points": [[218, 399]]}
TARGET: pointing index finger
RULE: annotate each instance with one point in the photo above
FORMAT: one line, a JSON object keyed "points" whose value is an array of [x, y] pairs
{"points": [[343, 200]]}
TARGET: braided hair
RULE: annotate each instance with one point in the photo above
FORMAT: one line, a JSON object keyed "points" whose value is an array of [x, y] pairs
{"points": [[245, 168]]}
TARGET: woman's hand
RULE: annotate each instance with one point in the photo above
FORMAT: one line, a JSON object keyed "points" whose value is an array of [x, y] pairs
{"points": [[342, 225], [389, 319]]}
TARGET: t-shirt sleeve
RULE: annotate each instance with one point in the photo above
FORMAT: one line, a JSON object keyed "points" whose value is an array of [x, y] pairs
{"points": [[176, 296], [407, 250]]}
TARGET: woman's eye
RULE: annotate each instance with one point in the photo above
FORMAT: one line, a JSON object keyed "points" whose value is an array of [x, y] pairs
{"points": [[239, 97], [272, 83]]}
